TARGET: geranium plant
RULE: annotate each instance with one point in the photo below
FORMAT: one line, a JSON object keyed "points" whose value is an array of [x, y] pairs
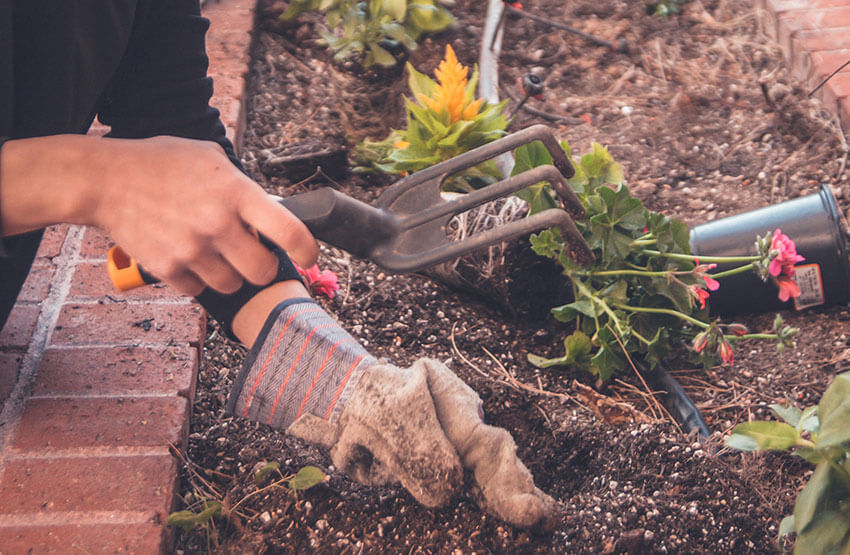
{"points": [[821, 435], [375, 28], [645, 289], [444, 119]]}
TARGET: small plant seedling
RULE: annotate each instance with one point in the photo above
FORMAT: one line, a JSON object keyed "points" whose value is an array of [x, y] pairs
{"points": [[821, 435]]}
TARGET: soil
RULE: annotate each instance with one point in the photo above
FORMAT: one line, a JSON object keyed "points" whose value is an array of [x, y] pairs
{"points": [[707, 122]]}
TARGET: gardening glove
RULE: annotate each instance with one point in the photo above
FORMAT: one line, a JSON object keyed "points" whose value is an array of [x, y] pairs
{"points": [[419, 426]]}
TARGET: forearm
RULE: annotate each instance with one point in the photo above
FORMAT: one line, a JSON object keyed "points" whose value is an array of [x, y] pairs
{"points": [[48, 180]]}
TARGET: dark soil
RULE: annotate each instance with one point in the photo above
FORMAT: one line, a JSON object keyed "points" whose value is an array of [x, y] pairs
{"points": [[707, 122]]}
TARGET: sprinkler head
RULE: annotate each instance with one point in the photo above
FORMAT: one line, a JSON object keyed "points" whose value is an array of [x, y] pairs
{"points": [[532, 85]]}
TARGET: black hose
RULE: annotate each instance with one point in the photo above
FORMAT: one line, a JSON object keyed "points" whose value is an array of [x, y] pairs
{"points": [[674, 398]]}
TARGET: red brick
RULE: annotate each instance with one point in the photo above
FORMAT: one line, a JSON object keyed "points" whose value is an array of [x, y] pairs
{"points": [[122, 323], [835, 89], [51, 242], [821, 64], [37, 285], [84, 538], [119, 371], [49, 485], [95, 243], [785, 5], [80, 422], [10, 364], [793, 22], [822, 39], [92, 280], [19, 327]]}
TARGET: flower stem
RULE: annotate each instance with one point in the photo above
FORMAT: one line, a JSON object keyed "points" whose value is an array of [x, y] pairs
{"points": [[734, 271], [709, 259], [668, 311]]}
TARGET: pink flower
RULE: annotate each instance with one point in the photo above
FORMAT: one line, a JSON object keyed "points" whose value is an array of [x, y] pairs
{"points": [[700, 294], [701, 271], [322, 282], [727, 355], [787, 288], [700, 341], [786, 258]]}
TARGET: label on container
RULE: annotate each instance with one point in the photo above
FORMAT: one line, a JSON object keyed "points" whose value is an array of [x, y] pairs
{"points": [[807, 277]]}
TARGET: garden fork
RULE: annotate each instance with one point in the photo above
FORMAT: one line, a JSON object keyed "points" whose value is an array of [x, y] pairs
{"points": [[406, 229]]}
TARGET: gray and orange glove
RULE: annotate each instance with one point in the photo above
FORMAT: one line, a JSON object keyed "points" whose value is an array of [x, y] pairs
{"points": [[418, 426]]}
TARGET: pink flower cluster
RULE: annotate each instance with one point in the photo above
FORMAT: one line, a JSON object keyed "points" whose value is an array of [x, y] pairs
{"points": [[701, 271], [782, 266], [320, 282]]}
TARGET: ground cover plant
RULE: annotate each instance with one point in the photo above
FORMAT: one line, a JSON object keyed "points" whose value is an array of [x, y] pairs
{"points": [[706, 122]]}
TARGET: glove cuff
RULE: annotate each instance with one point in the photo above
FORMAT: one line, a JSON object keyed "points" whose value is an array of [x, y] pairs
{"points": [[303, 362]]}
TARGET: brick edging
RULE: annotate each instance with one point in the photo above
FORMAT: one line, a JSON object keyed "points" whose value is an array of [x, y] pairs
{"points": [[96, 386]]}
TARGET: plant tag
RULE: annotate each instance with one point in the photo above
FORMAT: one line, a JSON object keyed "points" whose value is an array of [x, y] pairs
{"points": [[808, 279]]}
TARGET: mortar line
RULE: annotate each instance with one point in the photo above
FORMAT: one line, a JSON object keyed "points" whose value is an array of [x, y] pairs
{"points": [[60, 286], [78, 518]]}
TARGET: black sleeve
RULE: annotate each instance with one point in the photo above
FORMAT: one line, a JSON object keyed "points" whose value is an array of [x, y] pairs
{"points": [[162, 87]]}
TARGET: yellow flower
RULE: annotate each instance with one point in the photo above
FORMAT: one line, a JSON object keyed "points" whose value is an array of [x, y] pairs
{"points": [[451, 91], [401, 145]]}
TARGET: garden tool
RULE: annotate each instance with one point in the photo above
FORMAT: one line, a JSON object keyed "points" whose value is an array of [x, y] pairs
{"points": [[405, 230]]}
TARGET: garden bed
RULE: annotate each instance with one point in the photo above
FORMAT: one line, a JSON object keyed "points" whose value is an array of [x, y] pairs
{"points": [[703, 116]]}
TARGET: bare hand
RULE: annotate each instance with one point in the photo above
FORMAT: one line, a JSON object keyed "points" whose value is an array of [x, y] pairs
{"points": [[185, 213]]}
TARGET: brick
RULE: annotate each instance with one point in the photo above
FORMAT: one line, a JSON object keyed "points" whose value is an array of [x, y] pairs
{"points": [[49, 485], [822, 39], [79, 422], [792, 22], [51, 242], [785, 5], [95, 243], [117, 371], [37, 285], [820, 64], [19, 327], [91, 280], [122, 323], [835, 89], [10, 364], [84, 538]]}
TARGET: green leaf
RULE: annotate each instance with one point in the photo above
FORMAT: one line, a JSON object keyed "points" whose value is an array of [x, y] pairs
{"points": [[809, 421], [785, 527], [381, 56], [577, 349], [769, 436], [269, 468], [419, 83], [426, 17], [584, 306], [834, 413], [827, 533], [787, 412], [530, 156], [397, 9], [742, 442], [306, 478], [188, 519], [823, 494]]}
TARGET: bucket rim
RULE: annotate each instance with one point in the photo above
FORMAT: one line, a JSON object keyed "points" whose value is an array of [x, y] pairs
{"points": [[838, 233]]}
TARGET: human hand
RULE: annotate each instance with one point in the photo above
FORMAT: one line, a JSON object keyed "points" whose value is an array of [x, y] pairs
{"points": [[183, 211], [421, 426]]}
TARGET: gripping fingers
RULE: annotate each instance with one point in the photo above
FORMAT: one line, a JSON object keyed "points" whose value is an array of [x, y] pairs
{"points": [[280, 226], [249, 257]]}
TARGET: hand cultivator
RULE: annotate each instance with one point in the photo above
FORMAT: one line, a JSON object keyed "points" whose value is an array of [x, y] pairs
{"points": [[405, 230]]}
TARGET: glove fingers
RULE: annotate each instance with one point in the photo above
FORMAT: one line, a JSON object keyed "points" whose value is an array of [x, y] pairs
{"points": [[506, 486], [391, 414]]}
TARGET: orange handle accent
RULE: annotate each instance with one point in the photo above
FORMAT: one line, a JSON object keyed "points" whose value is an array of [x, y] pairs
{"points": [[123, 270]]}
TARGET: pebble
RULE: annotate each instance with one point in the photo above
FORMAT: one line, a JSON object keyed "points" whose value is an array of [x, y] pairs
{"points": [[265, 517]]}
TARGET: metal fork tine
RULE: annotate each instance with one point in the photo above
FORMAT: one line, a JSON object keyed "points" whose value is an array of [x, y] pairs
{"points": [[495, 191], [579, 250]]}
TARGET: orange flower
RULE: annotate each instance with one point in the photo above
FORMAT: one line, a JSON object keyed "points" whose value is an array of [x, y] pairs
{"points": [[401, 145], [451, 91]]}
